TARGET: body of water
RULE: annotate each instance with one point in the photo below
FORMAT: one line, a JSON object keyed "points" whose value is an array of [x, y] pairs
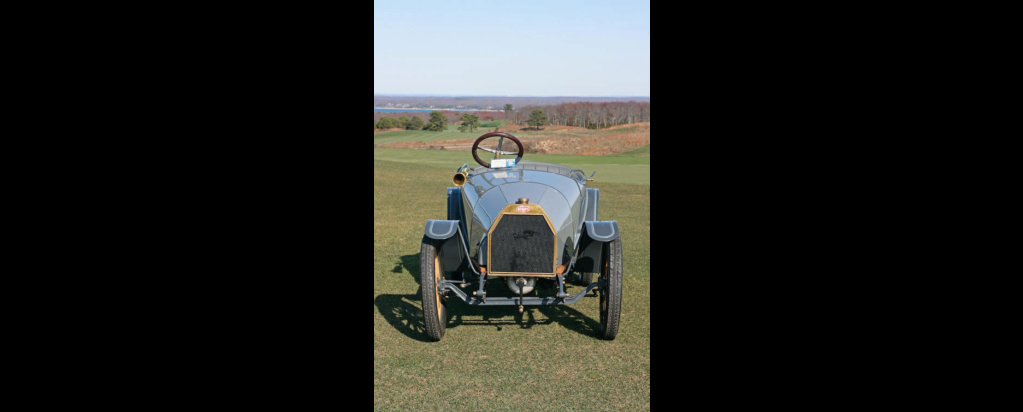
{"points": [[378, 110], [375, 110]]}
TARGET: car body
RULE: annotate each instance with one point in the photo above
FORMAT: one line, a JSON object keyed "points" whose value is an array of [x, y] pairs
{"points": [[527, 224]]}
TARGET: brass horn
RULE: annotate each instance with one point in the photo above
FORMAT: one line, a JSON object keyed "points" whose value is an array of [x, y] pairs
{"points": [[460, 175]]}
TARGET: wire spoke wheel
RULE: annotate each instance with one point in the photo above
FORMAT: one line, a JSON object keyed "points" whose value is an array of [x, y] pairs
{"points": [[611, 289], [431, 272]]}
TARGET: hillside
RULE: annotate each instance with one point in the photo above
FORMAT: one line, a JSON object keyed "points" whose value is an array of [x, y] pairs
{"points": [[567, 140], [487, 102]]}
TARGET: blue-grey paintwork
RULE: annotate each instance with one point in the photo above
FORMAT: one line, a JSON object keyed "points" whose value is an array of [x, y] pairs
{"points": [[602, 231], [594, 235], [455, 211], [452, 244], [592, 203], [559, 190], [440, 229]]}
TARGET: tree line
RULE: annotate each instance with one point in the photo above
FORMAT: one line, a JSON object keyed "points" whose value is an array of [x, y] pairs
{"points": [[492, 102], [582, 114], [452, 116], [437, 121]]}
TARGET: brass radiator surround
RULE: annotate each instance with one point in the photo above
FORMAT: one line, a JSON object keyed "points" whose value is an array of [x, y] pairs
{"points": [[518, 209]]}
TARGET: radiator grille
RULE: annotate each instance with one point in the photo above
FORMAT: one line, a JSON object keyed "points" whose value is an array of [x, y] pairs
{"points": [[522, 244]]}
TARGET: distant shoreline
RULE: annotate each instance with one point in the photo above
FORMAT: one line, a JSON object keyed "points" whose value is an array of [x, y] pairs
{"points": [[425, 108]]}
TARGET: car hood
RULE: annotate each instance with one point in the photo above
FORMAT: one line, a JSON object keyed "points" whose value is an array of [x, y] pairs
{"points": [[558, 192]]}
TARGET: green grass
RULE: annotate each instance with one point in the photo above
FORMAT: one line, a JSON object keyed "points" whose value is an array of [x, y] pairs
{"points": [[493, 123], [450, 132], [620, 169], [641, 152], [549, 130], [494, 358]]}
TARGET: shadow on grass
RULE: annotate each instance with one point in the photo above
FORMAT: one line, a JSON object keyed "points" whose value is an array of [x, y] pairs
{"points": [[407, 317], [498, 316], [572, 319], [403, 315], [461, 313], [410, 263]]}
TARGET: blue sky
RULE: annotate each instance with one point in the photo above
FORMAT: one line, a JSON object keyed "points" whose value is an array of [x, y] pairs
{"points": [[512, 48]]}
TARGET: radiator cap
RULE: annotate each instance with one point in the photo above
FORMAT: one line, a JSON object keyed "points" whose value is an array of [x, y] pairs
{"points": [[523, 200]]}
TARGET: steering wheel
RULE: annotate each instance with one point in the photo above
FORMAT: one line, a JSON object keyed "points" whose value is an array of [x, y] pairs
{"points": [[497, 153]]}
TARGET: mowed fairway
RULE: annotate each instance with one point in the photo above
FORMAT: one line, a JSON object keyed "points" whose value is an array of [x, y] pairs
{"points": [[450, 132], [494, 358], [618, 169]]}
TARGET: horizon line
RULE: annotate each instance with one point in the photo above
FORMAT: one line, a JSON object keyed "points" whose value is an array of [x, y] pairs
{"points": [[500, 95]]}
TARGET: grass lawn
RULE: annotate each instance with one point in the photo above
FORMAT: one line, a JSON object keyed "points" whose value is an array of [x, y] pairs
{"points": [[494, 358], [622, 168], [630, 140], [450, 132]]}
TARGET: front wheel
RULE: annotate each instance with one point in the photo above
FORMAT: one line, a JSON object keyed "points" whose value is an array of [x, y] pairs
{"points": [[585, 278], [431, 272], [611, 289]]}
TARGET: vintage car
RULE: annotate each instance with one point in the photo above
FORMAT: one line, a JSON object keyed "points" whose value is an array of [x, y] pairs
{"points": [[531, 225]]}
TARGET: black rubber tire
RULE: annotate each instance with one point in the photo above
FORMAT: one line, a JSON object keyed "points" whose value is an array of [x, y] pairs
{"points": [[585, 278], [431, 269], [611, 289]]}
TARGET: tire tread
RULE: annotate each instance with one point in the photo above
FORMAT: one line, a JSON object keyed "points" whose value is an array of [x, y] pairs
{"points": [[434, 327], [614, 305]]}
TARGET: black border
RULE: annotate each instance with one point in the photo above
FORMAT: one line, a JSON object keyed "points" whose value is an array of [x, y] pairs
{"points": [[215, 193]]}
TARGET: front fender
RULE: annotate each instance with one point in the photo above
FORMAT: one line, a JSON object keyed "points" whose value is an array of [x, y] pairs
{"points": [[440, 229], [448, 235], [604, 231], [591, 244]]}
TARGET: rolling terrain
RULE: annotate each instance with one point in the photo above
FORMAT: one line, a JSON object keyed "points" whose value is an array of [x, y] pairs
{"points": [[494, 358], [567, 140]]}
